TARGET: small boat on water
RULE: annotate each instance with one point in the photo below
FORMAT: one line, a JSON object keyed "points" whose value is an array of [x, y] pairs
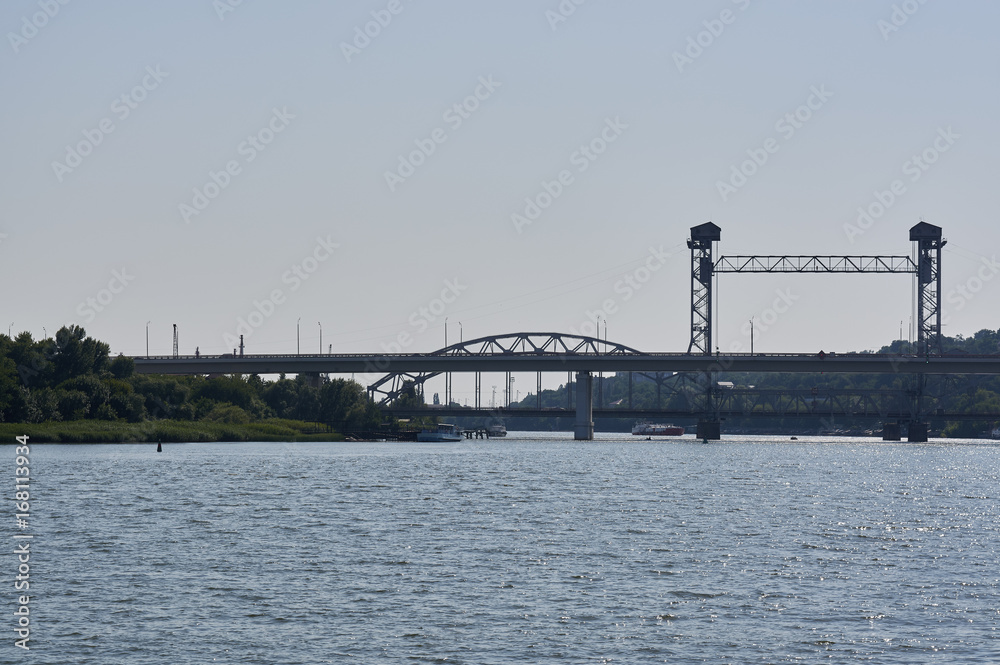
{"points": [[444, 432], [496, 430], [655, 429]]}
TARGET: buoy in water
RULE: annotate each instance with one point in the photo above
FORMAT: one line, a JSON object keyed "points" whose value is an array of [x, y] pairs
{"points": [[159, 447]]}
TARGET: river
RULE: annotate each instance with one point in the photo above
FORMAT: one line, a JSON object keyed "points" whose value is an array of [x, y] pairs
{"points": [[530, 549]]}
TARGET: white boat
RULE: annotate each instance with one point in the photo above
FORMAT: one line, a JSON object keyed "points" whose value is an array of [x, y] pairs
{"points": [[496, 430], [444, 432]]}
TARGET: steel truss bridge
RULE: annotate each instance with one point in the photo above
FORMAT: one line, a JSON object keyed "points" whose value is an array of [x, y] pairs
{"points": [[698, 368], [887, 405]]}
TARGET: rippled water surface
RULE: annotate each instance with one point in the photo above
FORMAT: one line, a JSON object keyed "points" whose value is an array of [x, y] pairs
{"points": [[529, 550]]}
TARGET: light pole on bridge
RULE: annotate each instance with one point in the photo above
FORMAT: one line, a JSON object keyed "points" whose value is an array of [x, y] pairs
{"points": [[600, 375], [447, 376]]}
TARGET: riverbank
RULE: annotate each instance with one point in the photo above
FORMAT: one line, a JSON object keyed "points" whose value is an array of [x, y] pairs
{"points": [[168, 431]]}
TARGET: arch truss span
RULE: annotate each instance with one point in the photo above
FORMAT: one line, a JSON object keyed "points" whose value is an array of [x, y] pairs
{"points": [[392, 386]]}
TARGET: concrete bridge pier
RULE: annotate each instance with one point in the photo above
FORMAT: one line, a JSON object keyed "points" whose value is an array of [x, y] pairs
{"points": [[710, 430], [891, 432], [916, 433], [584, 429], [313, 379]]}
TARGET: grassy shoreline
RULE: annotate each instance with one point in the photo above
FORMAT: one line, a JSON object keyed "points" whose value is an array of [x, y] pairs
{"points": [[168, 431]]}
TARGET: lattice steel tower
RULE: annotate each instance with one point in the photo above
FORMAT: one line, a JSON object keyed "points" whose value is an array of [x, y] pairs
{"points": [[929, 244], [702, 269]]}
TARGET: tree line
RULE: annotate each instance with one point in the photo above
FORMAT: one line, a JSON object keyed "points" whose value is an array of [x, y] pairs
{"points": [[72, 377]]}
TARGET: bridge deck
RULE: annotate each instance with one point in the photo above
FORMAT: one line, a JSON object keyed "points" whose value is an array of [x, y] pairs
{"points": [[583, 362]]}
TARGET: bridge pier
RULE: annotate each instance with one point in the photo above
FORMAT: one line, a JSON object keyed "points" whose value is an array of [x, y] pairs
{"points": [[584, 429], [313, 379], [891, 432], [916, 433], [709, 429]]}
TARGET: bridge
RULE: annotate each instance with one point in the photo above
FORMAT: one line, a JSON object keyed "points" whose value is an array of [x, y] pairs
{"points": [[813, 404], [560, 362], [584, 356]]}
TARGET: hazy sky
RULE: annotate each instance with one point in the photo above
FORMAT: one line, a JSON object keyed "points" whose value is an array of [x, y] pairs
{"points": [[375, 167]]}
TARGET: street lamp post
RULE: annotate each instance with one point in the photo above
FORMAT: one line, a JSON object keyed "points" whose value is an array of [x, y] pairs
{"points": [[298, 346], [447, 376], [460, 339], [751, 335], [320, 337], [600, 375], [147, 338]]}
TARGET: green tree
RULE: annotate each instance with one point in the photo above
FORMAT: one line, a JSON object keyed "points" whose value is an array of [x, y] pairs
{"points": [[122, 367], [345, 405], [75, 354], [98, 392], [73, 404], [228, 413], [232, 389]]}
